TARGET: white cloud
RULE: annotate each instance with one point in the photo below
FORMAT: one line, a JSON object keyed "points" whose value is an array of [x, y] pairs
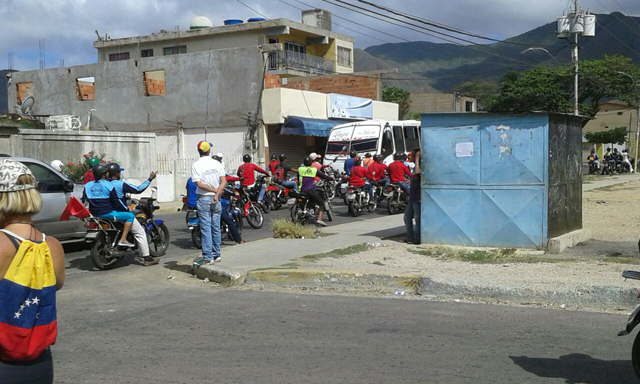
{"points": [[68, 25]]}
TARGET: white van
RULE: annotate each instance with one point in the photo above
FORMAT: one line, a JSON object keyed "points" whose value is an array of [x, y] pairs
{"points": [[371, 136]]}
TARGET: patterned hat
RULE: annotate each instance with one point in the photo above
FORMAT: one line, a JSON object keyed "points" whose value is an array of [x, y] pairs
{"points": [[10, 171], [204, 146]]}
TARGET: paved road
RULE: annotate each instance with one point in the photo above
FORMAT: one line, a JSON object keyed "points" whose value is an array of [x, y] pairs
{"points": [[77, 255], [133, 325]]}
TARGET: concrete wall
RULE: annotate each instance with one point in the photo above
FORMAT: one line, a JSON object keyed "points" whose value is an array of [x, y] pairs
{"points": [[136, 152], [233, 79], [439, 102]]}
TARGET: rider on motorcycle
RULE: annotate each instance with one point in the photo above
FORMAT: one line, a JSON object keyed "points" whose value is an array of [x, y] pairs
{"points": [[358, 174], [350, 162], [593, 157], [122, 188], [281, 172], [247, 174], [306, 174], [397, 171], [608, 157], [273, 164], [103, 200], [378, 170], [627, 160]]}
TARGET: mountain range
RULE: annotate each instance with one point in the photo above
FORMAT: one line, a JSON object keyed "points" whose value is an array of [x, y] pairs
{"points": [[440, 67]]}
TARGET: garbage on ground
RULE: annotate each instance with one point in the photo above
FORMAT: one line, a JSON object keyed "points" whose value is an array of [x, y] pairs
{"points": [[206, 280], [400, 293], [457, 300], [373, 244]]}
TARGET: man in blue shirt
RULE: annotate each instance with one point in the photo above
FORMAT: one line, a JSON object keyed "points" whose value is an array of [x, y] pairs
{"points": [[122, 188], [350, 162]]}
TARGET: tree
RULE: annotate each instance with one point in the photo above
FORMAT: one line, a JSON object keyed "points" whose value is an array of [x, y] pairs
{"points": [[398, 96], [552, 89], [617, 135]]}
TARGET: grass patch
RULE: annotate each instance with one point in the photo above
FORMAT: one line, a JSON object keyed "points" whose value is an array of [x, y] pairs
{"points": [[292, 265], [491, 256], [337, 253], [622, 260], [287, 229]]}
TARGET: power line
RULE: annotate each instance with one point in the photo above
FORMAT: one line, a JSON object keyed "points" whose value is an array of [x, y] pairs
{"points": [[252, 9]]}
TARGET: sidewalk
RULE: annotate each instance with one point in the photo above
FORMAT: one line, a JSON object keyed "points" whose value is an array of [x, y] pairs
{"points": [[366, 256]]}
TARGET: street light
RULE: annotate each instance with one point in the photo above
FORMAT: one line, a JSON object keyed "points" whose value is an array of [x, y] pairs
{"points": [[540, 49], [635, 86]]}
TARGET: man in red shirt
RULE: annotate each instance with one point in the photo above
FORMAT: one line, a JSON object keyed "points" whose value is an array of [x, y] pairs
{"points": [[358, 174], [377, 169], [397, 172], [88, 176], [273, 164], [247, 171]]}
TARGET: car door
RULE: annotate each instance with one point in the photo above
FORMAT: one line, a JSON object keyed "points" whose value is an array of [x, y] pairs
{"points": [[53, 190]]}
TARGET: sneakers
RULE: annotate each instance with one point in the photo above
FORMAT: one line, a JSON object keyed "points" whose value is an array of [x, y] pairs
{"points": [[321, 223], [125, 244], [153, 261], [217, 259], [199, 261]]}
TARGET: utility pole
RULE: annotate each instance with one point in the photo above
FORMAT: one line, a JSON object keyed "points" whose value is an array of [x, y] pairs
{"points": [[578, 22]]}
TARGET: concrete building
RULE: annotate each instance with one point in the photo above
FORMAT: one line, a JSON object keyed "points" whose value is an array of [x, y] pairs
{"points": [[612, 114], [441, 102]]}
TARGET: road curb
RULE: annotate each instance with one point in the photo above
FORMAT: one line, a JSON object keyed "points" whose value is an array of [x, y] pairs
{"points": [[572, 297], [220, 276]]}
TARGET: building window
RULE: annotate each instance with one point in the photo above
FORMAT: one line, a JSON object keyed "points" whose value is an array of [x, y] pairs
{"points": [[153, 83], [344, 56], [85, 88], [23, 90], [119, 56], [298, 50], [273, 40], [146, 53], [174, 50]]}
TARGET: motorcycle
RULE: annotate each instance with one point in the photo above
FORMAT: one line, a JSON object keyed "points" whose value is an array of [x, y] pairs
{"points": [[608, 168], [634, 319], [250, 209], [305, 210], [276, 196], [396, 198], [359, 200], [254, 192], [105, 234], [193, 223]]}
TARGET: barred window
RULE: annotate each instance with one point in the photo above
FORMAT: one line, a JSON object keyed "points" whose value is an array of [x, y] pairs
{"points": [[344, 56]]}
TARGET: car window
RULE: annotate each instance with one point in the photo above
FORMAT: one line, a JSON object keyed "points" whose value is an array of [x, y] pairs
{"points": [[48, 181], [411, 137], [398, 139]]}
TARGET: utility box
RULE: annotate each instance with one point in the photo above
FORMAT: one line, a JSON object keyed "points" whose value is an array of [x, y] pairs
{"points": [[500, 180]]}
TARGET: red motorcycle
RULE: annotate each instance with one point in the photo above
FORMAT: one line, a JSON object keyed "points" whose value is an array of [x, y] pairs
{"points": [[276, 196]]}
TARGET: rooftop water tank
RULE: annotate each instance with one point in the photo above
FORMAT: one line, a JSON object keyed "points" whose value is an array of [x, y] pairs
{"points": [[200, 22], [254, 19], [233, 21]]}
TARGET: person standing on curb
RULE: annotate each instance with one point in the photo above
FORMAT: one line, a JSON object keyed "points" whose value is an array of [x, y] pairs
{"points": [[413, 208], [31, 271], [209, 176]]}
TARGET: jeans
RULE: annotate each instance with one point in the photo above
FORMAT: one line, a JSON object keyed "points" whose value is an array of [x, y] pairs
{"points": [[413, 231], [404, 187], [233, 230], [209, 215], [290, 184], [261, 193], [367, 187], [384, 182]]}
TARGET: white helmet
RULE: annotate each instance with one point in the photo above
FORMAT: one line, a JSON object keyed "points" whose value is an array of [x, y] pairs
{"points": [[57, 165]]}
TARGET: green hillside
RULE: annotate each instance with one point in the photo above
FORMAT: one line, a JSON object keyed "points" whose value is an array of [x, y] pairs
{"points": [[425, 67]]}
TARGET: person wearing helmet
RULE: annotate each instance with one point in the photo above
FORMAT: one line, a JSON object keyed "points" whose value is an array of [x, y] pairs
{"points": [[272, 165], [88, 176], [103, 199], [57, 165], [306, 175], [358, 176], [247, 171], [350, 161], [281, 173], [398, 172], [378, 170], [368, 160], [210, 179], [114, 173]]}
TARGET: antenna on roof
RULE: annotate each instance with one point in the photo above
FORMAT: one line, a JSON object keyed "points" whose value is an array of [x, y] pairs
{"points": [[99, 37], [27, 106]]}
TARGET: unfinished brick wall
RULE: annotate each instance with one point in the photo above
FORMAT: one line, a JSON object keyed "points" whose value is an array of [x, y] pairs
{"points": [[360, 86]]}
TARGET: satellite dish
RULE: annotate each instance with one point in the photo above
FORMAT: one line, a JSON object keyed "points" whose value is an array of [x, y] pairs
{"points": [[27, 104]]}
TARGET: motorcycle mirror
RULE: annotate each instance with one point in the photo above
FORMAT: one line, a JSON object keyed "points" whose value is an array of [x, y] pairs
{"points": [[154, 189]]}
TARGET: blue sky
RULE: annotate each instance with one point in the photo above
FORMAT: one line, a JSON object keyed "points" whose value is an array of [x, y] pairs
{"points": [[68, 25]]}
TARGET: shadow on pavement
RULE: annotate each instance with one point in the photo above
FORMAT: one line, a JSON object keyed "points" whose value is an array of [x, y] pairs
{"points": [[86, 264], [388, 233], [579, 368], [174, 266]]}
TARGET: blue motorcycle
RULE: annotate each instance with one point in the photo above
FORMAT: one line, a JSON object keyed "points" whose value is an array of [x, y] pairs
{"points": [[193, 223]]}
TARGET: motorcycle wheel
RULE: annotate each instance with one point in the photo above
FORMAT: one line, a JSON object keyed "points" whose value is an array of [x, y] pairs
{"points": [[255, 217], [158, 240], [266, 206], [393, 206], [196, 237], [635, 355], [101, 254], [331, 192], [297, 215], [371, 207], [329, 215], [354, 208]]}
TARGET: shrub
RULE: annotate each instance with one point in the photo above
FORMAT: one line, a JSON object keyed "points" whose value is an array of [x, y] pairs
{"points": [[76, 170], [286, 229]]}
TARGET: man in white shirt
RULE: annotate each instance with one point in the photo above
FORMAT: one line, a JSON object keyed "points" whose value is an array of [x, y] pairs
{"points": [[210, 178]]}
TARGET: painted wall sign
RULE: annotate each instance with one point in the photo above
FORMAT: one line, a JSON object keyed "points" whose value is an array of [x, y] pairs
{"points": [[349, 107]]}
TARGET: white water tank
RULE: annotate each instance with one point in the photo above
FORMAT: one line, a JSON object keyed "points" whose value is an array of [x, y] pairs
{"points": [[576, 23], [200, 22], [562, 27], [589, 25]]}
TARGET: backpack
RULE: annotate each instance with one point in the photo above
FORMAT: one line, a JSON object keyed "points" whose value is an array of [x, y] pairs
{"points": [[28, 317], [279, 174]]}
